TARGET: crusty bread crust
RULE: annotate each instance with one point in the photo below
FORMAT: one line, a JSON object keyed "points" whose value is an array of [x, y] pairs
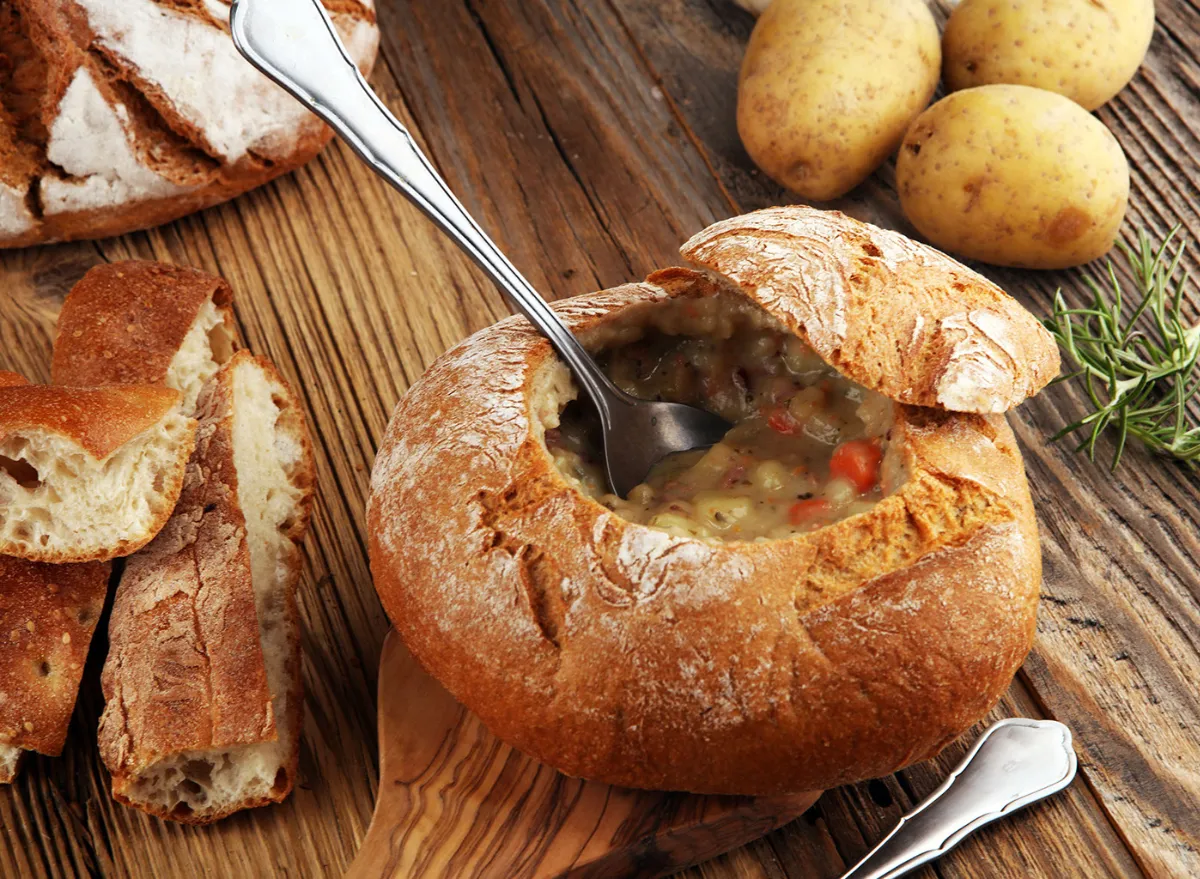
{"points": [[888, 312], [47, 616], [11, 379], [186, 670], [620, 653], [101, 420], [124, 322], [132, 147]]}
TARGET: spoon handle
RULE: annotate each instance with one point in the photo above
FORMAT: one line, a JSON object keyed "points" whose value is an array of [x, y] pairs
{"points": [[1015, 762], [294, 43]]}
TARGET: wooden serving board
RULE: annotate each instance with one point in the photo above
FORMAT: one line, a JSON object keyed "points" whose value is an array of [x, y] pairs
{"points": [[455, 801]]}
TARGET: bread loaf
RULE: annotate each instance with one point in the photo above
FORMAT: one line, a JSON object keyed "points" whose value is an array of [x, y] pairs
{"points": [[642, 657], [148, 323], [203, 692], [121, 114], [88, 474]]}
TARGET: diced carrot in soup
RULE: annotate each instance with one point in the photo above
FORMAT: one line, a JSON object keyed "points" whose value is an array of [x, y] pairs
{"points": [[807, 510], [857, 461]]}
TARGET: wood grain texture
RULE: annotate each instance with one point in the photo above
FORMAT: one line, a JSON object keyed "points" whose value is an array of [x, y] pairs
{"points": [[592, 137], [455, 801]]}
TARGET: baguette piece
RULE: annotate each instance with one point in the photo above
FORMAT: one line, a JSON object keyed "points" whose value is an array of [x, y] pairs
{"points": [[48, 614], [146, 323], [88, 474], [202, 684]]}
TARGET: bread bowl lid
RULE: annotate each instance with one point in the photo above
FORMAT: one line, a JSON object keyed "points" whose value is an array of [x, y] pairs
{"points": [[889, 313]]}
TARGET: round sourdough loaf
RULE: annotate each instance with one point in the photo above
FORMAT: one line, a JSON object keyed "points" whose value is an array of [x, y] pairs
{"points": [[618, 652], [117, 115]]}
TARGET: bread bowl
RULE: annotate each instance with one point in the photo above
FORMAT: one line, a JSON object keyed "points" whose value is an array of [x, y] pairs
{"points": [[88, 474], [117, 115], [731, 663], [202, 685]]}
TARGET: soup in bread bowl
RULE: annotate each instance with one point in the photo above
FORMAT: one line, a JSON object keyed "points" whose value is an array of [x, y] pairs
{"points": [[839, 588]]}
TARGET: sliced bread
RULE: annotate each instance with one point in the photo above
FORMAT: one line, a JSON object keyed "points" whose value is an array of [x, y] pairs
{"points": [[88, 474], [47, 616], [145, 323], [202, 684]]}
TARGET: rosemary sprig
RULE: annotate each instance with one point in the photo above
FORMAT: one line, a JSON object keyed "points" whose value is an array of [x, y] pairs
{"points": [[1140, 372]]}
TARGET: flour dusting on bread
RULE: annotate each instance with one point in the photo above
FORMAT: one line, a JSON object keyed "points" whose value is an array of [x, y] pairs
{"points": [[89, 141], [980, 369], [149, 114], [169, 49]]}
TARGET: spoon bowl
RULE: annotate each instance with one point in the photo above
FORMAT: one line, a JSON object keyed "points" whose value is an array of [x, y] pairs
{"points": [[662, 428]]}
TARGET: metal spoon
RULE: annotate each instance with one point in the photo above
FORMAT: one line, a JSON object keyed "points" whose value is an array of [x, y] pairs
{"points": [[1015, 762], [294, 43]]}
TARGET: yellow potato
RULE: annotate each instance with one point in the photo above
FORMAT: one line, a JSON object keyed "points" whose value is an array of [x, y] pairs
{"points": [[1014, 176], [1084, 49], [828, 88]]}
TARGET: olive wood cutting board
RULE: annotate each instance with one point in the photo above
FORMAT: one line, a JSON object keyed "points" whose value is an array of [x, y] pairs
{"points": [[455, 801]]}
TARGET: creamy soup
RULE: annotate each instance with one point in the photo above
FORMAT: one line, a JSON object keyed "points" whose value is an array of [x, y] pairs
{"points": [[807, 447]]}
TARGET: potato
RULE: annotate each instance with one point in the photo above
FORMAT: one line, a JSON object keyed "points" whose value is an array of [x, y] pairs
{"points": [[828, 88], [1084, 49], [1015, 176]]}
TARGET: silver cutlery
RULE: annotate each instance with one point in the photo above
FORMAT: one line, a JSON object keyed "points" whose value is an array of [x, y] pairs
{"points": [[1015, 762]]}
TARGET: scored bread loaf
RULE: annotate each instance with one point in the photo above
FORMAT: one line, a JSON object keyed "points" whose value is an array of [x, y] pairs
{"points": [[88, 474], [202, 684], [118, 115], [48, 614], [140, 322]]}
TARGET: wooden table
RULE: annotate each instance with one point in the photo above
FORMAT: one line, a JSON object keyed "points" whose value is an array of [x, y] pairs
{"points": [[592, 137]]}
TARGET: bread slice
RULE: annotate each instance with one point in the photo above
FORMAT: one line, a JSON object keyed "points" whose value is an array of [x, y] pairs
{"points": [[88, 474], [202, 683], [148, 323], [48, 614]]}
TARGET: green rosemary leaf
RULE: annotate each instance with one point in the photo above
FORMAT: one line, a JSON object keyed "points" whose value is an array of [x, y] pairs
{"points": [[1139, 372]]}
